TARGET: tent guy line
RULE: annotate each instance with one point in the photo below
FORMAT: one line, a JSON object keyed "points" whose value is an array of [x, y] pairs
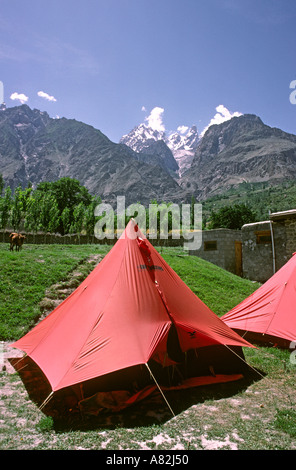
{"points": [[159, 388]]}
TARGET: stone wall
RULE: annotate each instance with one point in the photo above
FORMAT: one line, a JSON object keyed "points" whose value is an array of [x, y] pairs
{"points": [[261, 259], [40, 238], [257, 254], [218, 247], [290, 232]]}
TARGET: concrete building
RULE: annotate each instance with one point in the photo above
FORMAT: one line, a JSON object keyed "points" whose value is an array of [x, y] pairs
{"points": [[268, 245], [222, 247], [256, 251]]}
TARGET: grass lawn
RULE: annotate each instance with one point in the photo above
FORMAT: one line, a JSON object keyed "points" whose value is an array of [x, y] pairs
{"points": [[256, 414], [24, 277], [217, 288]]}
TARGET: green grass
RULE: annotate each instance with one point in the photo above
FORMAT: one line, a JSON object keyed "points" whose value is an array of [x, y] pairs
{"points": [[255, 414], [25, 276], [286, 421], [217, 288]]}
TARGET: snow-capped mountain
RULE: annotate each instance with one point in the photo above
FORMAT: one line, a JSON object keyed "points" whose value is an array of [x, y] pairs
{"points": [[184, 138], [36, 148], [137, 138], [182, 142]]}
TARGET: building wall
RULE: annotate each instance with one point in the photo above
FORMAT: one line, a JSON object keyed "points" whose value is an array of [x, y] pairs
{"points": [[259, 260], [257, 255], [218, 247], [290, 226]]}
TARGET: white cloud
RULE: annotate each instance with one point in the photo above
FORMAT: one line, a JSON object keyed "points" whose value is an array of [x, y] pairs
{"points": [[19, 96], [46, 96], [154, 119], [143, 108], [222, 115], [182, 129]]}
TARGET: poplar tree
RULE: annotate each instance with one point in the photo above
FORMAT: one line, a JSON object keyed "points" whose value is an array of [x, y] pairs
{"points": [[5, 207], [16, 211]]}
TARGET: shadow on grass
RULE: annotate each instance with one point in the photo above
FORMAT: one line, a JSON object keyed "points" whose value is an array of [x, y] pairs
{"points": [[154, 410]]}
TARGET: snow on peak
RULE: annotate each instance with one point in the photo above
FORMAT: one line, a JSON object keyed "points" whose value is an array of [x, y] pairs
{"points": [[183, 138], [138, 137]]}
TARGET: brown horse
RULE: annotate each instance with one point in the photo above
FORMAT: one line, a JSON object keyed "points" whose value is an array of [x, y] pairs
{"points": [[16, 240]]}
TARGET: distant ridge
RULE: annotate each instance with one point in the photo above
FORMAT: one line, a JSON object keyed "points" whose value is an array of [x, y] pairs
{"points": [[35, 148], [144, 166], [242, 149]]}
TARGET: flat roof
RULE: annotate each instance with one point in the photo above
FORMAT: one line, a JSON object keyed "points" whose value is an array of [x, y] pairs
{"points": [[283, 214], [256, 223]]}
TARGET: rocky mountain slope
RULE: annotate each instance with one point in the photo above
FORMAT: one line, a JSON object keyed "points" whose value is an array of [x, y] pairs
{"points": [[144, 165], [35, 148], [238, 150]]}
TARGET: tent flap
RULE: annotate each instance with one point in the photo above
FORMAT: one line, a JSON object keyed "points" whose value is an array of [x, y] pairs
{"points": [[269, 313]]}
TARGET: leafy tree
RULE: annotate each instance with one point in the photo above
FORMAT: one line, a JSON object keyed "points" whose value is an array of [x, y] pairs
{"points": [[90, 218], [78, 216], [2, 184], [54, 217], [68, 194], [33, 214], [25, 196], [49, 216], [66, 220], [5, 207], [16, 210], [232, 217]]}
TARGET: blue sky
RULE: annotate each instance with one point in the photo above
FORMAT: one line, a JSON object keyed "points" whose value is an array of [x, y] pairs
{"points": [[110, 63]]}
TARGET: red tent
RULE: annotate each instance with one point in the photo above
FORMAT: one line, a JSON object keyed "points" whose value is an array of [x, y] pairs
{"points": [[269, 314], [131, 319]]}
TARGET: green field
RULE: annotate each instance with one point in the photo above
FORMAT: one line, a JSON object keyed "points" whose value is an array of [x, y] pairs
{"points": [[258, 413], [25, 276]]}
